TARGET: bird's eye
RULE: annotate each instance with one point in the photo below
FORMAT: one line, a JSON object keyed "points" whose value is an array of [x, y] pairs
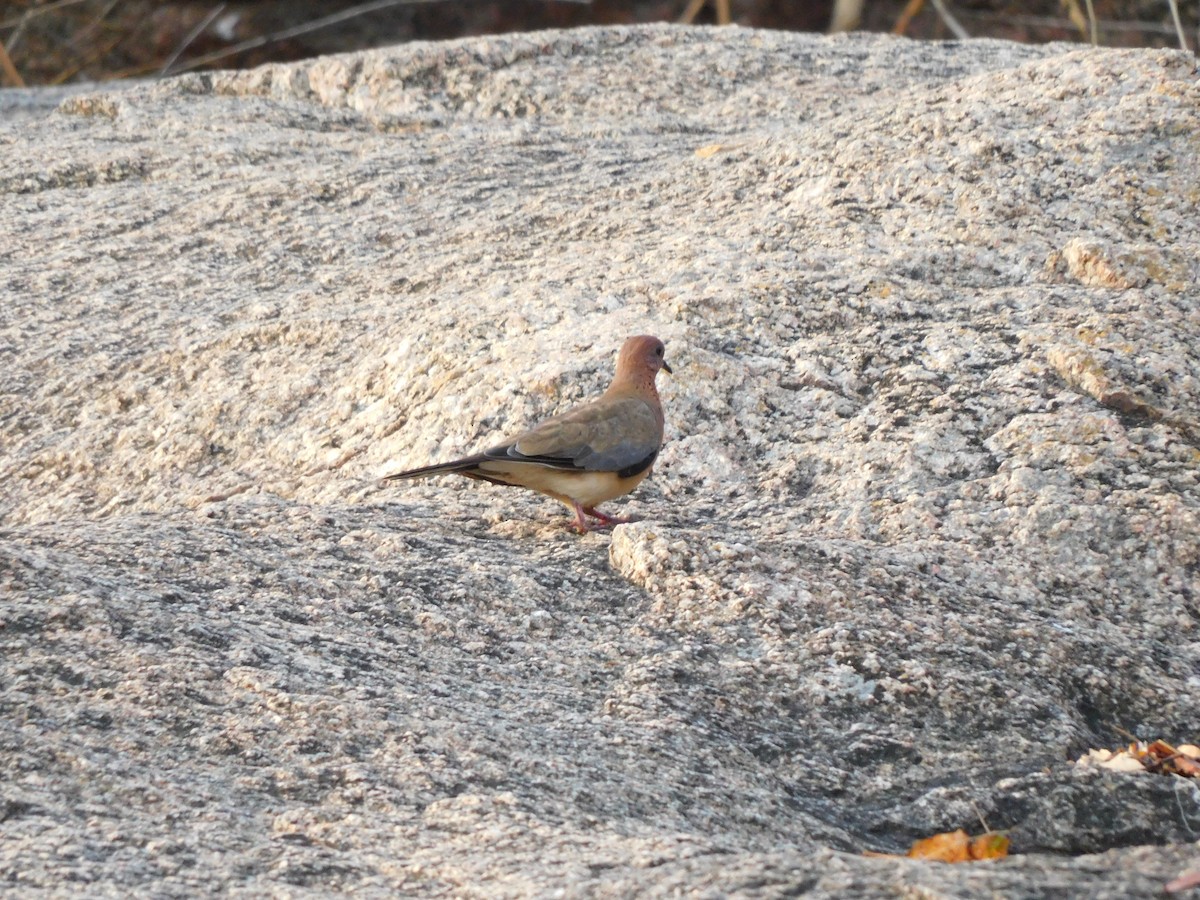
{"points": [[658, 351]]}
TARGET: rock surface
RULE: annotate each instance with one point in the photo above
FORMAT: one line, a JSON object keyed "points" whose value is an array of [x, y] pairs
{"points": [[926, 527]]}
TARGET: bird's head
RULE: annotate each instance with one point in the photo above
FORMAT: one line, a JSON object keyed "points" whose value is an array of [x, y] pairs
{"points": [[640, 359]]}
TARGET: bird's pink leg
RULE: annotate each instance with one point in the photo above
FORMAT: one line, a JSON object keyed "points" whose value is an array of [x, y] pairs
{"points": [[604, 518], [580, 522]]}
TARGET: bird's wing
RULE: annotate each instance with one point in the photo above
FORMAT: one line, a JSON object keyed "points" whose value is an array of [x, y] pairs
{"points": [[619, 434]]}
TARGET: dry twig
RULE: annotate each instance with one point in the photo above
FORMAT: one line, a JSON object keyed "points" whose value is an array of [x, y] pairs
{"points": [[952, 23], [910, 12], [19, 21], [724, 13], [196, 31], [1183, 44], [10, 71], [846, 15], [1091, 14]]}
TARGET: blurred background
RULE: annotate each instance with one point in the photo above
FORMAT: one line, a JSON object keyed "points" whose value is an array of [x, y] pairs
{"points": [[45, 42]]}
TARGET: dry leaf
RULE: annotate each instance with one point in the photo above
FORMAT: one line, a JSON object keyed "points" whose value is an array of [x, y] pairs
{"points": [[1183, 882], [992, 845], [951, 846], [1187, 767], [1158, 757], [956, 846]]}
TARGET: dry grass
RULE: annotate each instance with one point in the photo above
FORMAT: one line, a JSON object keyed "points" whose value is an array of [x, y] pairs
{"points": [[68, 40]]}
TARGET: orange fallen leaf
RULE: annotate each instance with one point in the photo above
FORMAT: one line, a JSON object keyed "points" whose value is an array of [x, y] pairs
{"points": [[951, 846], [1160, 750], [992, 845], [956, 846]]}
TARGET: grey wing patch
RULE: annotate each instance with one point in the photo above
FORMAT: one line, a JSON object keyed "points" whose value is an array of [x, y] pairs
{"points": [[621, 437], [628, 436]]}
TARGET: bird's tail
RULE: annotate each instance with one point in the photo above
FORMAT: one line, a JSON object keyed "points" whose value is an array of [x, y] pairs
{"points": [[463, 466]]}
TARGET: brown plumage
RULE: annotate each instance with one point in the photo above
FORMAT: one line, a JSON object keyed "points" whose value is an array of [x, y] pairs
{"points": [[587, 455]]}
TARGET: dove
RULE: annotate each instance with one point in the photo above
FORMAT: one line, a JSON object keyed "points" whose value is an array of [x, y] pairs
{"points": [[587, 455]]}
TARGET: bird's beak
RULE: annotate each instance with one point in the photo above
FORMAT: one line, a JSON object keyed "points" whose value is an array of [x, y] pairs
{"points": [[667, 368]]}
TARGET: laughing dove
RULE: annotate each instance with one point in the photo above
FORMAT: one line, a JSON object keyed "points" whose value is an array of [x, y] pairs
{"points": [[587, 455]]}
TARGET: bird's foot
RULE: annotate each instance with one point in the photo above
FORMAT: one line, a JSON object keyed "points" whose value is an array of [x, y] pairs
{"points": [[604, 518], [580, 524]]}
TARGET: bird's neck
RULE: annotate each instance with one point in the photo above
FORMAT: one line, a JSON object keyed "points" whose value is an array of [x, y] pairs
{"points": [[634, 387], [642, 388]]}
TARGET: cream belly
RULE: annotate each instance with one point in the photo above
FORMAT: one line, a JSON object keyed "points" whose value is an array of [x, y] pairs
{"points": [[588, 489]]}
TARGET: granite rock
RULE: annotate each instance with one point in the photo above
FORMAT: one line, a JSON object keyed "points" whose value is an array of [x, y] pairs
{"points": [[925, 529]]}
